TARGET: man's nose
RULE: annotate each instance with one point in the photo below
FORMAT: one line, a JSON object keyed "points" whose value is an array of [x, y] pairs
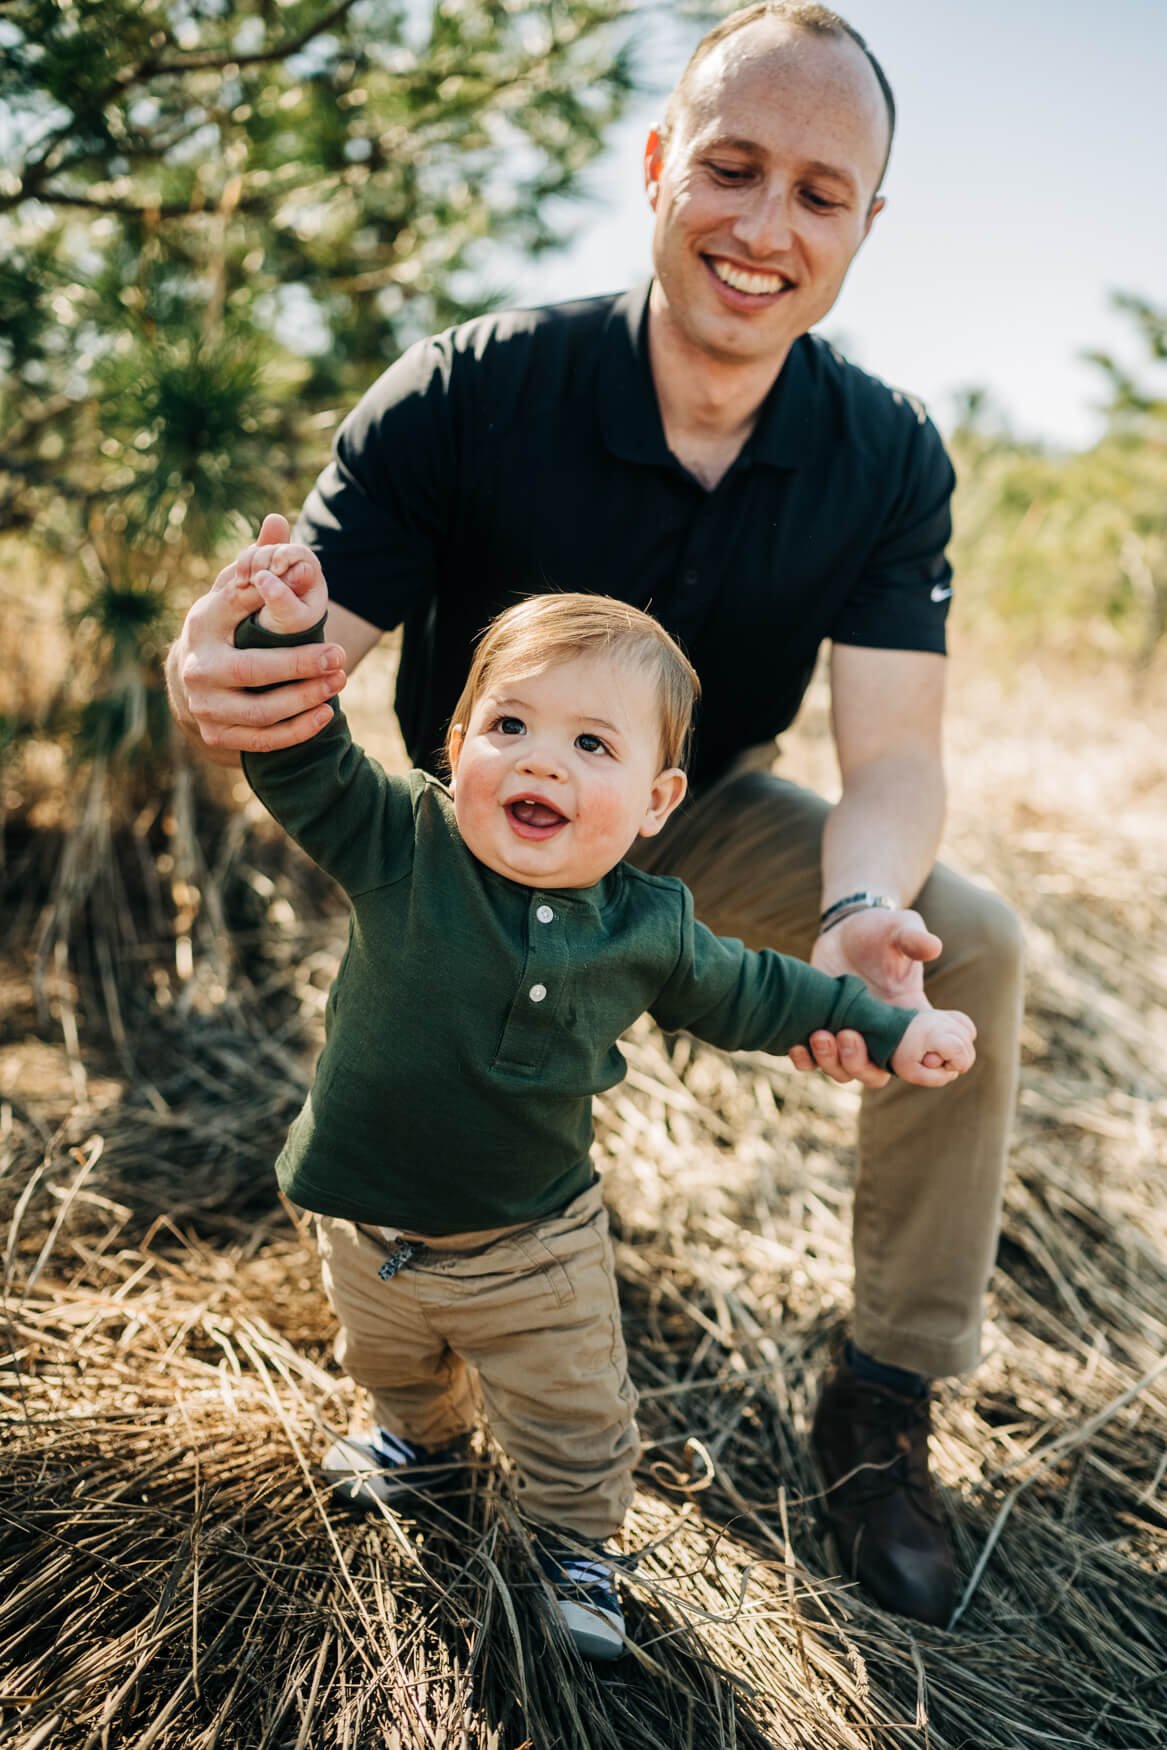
{"points": [[763, 225]]}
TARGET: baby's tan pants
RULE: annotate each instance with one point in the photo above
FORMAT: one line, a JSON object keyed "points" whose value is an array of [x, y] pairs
{"points": [[532, 1322]]}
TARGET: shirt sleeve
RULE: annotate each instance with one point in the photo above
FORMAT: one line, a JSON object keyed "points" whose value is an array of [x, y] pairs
{"points": [[900, 600], [744, 999], [378, 516], [352, 817]]}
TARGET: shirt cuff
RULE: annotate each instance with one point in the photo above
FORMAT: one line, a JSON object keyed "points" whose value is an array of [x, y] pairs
{"points": [[250, 635]]}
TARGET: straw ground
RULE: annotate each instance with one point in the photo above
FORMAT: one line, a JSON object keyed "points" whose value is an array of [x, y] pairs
{"points": [[170, 1570]]}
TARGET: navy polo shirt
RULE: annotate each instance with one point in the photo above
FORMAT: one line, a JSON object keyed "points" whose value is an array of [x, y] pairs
{"points": [[524, 452]]}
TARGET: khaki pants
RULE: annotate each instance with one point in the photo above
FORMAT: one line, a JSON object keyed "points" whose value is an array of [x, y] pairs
{"points": [[532, 1321], [931, 1164]]}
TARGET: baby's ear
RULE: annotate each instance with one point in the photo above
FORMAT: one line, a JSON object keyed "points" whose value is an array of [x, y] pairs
{"points": [[454, 751], [668, 792]]}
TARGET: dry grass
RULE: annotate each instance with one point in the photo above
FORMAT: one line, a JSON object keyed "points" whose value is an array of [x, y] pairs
{"points": [[170, 1571]]}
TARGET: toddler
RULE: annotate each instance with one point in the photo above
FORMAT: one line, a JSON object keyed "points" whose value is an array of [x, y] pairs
{"points": [[498, 948]]}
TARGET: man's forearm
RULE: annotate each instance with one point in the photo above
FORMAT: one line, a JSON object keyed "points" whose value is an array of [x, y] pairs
{"points": [[883, 833]]}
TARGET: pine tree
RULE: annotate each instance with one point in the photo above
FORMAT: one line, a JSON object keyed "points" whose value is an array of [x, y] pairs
{"points": [[219, 221]]}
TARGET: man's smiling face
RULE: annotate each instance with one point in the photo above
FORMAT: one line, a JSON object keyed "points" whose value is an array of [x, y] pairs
{"points": [[765, 190]]}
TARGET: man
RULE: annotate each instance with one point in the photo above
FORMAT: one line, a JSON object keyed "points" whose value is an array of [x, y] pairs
{"points": [[693, 450]]}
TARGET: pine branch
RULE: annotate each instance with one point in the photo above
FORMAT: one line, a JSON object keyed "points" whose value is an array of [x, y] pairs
{"points": [[291, 46]]}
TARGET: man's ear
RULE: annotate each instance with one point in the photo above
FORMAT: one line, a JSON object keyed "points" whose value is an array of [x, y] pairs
{"points": [[654, 157], [873, 213], [668, 792]]}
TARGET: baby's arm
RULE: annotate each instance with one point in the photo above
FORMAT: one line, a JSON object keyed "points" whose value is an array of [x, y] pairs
{"points": [[354, 820], [757, 1000]]}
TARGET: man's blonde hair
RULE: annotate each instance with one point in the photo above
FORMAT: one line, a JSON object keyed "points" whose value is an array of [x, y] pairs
{"points": [[545, 629]]}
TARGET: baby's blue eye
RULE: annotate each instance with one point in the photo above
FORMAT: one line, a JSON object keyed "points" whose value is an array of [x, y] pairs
{"points": [[588, 743], [511, 726]]}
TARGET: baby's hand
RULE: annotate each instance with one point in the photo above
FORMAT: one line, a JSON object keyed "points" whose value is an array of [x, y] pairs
{"points": [[937, 1047], [289, 578]]}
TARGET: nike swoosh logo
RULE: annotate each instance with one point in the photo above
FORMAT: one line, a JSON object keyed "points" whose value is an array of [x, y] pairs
{"points": [[941, 592]]}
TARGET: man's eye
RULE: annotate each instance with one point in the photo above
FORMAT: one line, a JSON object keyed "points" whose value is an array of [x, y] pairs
{"points": [[590, 743], [729, 173], [510, 725], [821, 203]]}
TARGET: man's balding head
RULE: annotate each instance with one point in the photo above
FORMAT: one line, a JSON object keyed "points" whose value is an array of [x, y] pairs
{"points": [[774, 16]]}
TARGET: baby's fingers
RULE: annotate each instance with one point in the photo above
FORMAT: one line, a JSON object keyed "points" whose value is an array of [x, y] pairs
{"points": [[287, 559], [923, 1077], [955, 1051], [275, 592]]}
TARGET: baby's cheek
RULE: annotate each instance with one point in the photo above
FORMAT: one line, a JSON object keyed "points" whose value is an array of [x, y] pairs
{"points": [[472, 806], [610, 820]]}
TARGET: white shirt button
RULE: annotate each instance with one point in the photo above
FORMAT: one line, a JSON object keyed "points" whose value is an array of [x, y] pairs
{"points": [[544, 914], [537, 992]]}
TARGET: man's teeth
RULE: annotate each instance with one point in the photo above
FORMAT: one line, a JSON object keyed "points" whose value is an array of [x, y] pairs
{"points": [[760, 284]]}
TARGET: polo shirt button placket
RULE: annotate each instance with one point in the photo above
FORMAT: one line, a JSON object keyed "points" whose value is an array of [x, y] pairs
{"points": [[543, 915], [530, 1025]]}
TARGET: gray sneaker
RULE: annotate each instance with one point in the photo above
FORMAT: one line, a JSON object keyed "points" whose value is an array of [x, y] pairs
{"points": [[380, 1467], [587, 1604]]}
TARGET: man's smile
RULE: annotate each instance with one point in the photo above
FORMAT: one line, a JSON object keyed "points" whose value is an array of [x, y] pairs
{"points": [[747, 282]]}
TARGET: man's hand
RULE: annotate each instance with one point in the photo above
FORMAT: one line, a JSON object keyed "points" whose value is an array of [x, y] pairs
{"points": [[210, 681], [888, 950]]}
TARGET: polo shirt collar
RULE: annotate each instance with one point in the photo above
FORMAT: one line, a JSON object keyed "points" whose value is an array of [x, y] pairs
{"points": [[630, 417], [582, 901], [783, 435]]}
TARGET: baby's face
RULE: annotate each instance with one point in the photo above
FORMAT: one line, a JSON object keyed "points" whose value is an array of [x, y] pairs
{"points": [[558, 772]]}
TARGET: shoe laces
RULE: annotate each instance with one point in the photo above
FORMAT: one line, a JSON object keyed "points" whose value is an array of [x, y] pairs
{"points": [[393, 1452], [589, 1578], [904, 1422]]}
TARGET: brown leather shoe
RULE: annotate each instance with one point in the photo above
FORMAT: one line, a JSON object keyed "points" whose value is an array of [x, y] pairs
{"points": [[872, 1447]]}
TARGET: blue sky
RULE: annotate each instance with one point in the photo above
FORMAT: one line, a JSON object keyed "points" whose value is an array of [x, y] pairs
{"points": [[1027, 183]]}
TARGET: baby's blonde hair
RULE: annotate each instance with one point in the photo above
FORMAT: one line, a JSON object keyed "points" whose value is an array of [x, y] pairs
{"points": [[545, 629]]}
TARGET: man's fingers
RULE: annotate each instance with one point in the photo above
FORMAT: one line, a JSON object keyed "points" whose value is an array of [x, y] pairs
{"points": [[270, 668], [273, 529], [289, 733], [855, 1063], [229, 718], [844, 1059], [218, 711], [233, 720], [917, 943], [204, 681]]}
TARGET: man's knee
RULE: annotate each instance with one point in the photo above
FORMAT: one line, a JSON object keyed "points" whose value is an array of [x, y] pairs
{"points": [[998, 933], [982, 936]]}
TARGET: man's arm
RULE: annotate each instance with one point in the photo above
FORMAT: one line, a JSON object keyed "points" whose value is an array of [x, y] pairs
{"points": [[882, 836], [210, 682]]}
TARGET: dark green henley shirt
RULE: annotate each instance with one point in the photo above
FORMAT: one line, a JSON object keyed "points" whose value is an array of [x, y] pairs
{"points": [[473, 1019]]}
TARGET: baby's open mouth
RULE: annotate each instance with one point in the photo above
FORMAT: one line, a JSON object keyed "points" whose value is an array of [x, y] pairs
{"points": [[534, 820]]}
